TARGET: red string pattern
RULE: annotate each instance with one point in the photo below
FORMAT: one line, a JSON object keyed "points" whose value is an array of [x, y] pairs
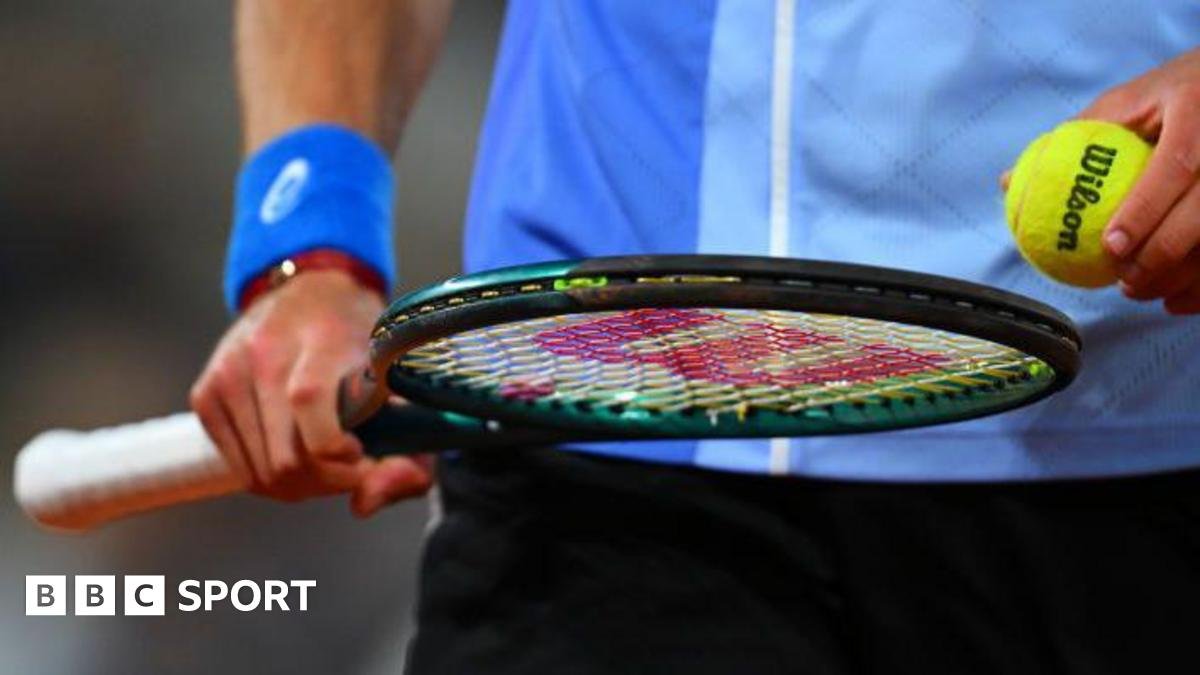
{"points": [[753, 354]]}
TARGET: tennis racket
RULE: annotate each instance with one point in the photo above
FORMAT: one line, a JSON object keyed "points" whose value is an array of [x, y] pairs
{"points": [[640, 347]]}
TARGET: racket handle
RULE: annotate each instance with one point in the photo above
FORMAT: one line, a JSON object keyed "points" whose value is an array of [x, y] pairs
{"points": [[76, 480]]}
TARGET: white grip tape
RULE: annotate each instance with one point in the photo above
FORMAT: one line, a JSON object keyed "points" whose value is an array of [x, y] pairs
{"points": [[76, 480]]}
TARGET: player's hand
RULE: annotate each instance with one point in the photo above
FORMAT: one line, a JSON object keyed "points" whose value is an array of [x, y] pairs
{"points": [[268, 396], [1155, 234]]}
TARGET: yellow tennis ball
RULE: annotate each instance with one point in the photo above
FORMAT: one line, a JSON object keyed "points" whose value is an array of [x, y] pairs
{"points": [[1063, 191]]}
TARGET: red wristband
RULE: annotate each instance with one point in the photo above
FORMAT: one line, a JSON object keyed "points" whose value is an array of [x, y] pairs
{"points": [[320, 259]]}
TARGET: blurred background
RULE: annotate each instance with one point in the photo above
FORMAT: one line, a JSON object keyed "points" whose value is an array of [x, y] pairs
{"points": [[117, 159]]}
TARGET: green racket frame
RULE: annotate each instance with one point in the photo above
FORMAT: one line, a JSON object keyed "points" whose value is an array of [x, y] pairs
{"points": [[712, 281]]}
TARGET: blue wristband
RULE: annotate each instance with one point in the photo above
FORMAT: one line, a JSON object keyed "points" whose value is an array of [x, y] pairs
{"points": [[318, 187]]}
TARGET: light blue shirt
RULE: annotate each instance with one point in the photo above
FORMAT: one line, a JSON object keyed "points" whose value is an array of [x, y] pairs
{"points": [[867, 131]]}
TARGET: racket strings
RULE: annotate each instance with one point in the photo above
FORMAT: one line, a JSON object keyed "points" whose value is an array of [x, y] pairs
{"points": [[715, 361]]}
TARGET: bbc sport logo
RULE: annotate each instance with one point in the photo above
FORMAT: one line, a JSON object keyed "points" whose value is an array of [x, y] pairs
{"points": [[146, 595]]}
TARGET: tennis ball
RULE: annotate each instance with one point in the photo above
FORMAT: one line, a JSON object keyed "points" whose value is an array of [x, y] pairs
{"points": [[1064, 189]]}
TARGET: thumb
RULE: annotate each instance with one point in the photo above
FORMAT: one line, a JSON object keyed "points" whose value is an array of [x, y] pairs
{"points": [[390, 480]]}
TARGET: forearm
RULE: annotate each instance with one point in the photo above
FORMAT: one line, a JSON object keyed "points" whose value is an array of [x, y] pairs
{"points": [[359, 63], [268, 397]]}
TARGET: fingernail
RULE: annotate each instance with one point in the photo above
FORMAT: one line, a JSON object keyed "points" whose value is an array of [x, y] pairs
{"points": [[1117, 241]]}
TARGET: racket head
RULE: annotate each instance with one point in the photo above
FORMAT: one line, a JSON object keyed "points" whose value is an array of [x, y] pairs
{"points": [[703, 346]]}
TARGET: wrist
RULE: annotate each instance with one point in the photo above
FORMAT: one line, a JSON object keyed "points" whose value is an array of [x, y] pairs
{"points": [[319, 260], [312, 193]]}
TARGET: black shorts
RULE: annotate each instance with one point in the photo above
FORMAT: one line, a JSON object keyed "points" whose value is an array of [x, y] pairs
{"points": [[549, 562]]}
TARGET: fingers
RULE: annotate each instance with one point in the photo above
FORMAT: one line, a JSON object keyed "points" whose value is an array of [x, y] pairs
{"points": [[1185, 302], [312, 392], [279, 431], [390, 480], [1167, 247], [1169, 175], [1172, 282], [219, 428], [1155, 234], [308, 451], [226, 390], [268, 397], [251, 406], [341, 475], [1126, 105]]}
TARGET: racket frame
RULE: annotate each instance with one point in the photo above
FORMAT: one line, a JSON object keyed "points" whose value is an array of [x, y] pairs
{"points": [[710, 281]]}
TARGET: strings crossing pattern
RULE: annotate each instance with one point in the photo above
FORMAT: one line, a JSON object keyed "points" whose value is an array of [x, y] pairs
{"points": [[715, 361]]}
